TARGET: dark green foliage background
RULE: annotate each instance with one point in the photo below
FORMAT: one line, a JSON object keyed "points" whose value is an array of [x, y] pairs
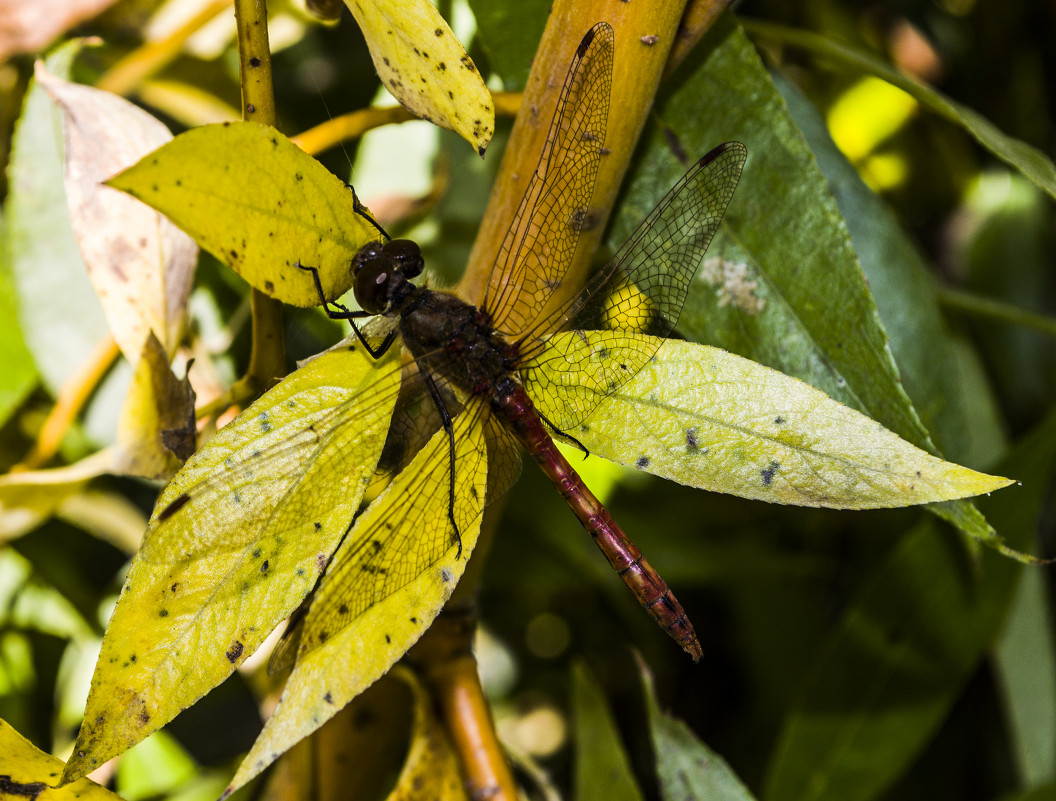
{"points": [[847, 655]]}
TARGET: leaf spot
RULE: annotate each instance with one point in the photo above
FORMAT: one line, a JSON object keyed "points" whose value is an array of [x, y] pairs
{"points": [[769, 473], [234, 652]]}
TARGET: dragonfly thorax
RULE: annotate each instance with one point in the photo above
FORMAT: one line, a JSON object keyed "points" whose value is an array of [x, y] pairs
{"points": [[382, 273]]}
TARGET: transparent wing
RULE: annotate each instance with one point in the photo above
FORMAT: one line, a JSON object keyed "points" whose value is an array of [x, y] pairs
{"points": [[403, 532], [641, 290], [541, 242], [322, 426]]}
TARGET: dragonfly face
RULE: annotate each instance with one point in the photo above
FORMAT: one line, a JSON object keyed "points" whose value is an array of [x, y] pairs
{"points": [[382, 275]]}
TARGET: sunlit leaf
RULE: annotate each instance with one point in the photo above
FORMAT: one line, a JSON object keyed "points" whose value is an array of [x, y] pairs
{"points": [[354, 631], [603, 771], [686, 769], [27, 773], [236, 541], [157, 430], [258, 203], [935, 370], [713, 420], [140, 264], [426, 68], [790, 294]]}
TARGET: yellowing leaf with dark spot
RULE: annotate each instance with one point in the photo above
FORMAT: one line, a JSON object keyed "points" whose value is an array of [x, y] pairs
{"points": [[258, 203], [709, 419], [140, 264], [431, 771], [156, 433], [27, 773], [236, 541], [425, 67], [386, 583]]}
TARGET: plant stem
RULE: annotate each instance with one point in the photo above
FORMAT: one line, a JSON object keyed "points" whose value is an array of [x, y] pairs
{"points": [[268, 351], [996, 310], [645, 34], [73, 394], [444, 658], [356, 123], [128, 73]]}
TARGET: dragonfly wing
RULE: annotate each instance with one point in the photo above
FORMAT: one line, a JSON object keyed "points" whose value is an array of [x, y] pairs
{"points": [[504, 459], [541, 242], [404, 532], [261, 475], [641, 290]]}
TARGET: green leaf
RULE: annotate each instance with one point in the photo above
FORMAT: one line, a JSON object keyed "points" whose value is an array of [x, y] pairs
{"points": [[258, 203], [60, 316], [28, 773], [510, 34], [1026, 674], [1029, 160], [789, 294], [931, 364], [686, 768], [716, 421], [20, 374], [603, 772], [223, 560], [425, 67], [907, 644], [902, 287], [386, 584]]}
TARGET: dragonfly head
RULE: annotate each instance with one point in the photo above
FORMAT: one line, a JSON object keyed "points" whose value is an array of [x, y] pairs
{"points": [[382, 273]]}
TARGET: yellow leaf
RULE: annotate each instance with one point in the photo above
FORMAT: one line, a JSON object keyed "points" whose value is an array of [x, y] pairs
{"points": [[28, 773], [356, 754], [258, 203], [387, 581], [425, 67], [431, 770], [28, 498], [156, 432], [236, 541], [709, 419]]}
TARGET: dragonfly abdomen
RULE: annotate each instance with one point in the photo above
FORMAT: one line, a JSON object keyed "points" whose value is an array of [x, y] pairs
{"points": [[652, 592]]}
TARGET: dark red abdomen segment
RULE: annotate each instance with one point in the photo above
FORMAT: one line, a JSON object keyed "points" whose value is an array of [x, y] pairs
{"points": [[652, 592]]}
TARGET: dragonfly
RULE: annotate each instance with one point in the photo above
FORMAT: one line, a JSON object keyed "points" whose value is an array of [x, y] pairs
{"points": [[499, 378], [490, 360]]}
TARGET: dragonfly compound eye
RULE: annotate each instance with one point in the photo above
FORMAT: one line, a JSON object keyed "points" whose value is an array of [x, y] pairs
{"points": [[405, 256], [373, 279]]}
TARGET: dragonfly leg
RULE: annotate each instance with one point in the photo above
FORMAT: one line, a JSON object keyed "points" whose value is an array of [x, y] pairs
{"points": [[345, 313], [449, 428], [361, 210], [564, 434]]}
